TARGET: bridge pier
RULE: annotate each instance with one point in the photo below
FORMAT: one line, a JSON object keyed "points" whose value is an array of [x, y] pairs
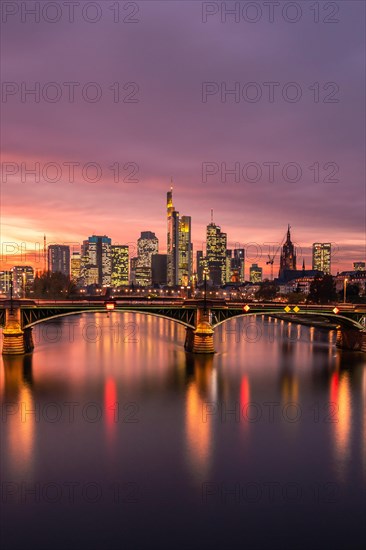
{"points": [[354, 340], [200, 339], [13, 335]]}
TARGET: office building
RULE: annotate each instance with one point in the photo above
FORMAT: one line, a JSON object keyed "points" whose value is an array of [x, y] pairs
{"points": [[96, 261], [147, 246], [255, 273], [216, 254], [75, 267], [23, 279], [322, 257], [59, 259], [159, 263], [120, 265], [179, 245]]}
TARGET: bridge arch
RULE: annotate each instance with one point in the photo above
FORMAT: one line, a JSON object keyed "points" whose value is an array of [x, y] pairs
{"points": [[341, 320], [103, 311]]}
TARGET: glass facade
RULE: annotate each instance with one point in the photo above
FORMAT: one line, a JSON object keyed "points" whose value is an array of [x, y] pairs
{"points": [[322, 257], [59, 259], [120, 265], [216, 242]]}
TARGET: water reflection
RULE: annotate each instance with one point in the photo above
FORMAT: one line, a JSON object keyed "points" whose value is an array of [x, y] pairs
{"points": [[340, 417], [183, 438], [19, 415], [201, 389]]}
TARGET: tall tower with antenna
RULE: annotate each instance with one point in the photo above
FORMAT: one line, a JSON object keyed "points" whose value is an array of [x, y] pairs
{"points": [[44, 254], [179, 245]]}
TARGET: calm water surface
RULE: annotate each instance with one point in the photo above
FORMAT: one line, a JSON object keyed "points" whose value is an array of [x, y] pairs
{"points": [[114, 438]]}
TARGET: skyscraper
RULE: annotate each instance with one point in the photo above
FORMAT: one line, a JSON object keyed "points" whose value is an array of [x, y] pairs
{"points": [[147, 245], [230, 274], [185, 251], [255, 273], [322, 257], [75, 267], [179, 245], [288, 256], [96, 261], [359, 266], [216, 254], [23, 279], [159, 268], [120, 265], [59, 259], [238, 263]]}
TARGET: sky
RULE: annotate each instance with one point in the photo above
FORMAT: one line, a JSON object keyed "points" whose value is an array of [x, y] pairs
{"points": [[146, 88]]}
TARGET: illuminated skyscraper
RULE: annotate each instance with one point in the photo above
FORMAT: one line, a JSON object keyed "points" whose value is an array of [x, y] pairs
{"points": [[322, 257], [23, 279], [75, 267], [5, 277], [230, 274], [179, 245], [96, 261], [235, 265], [185, 251], [147, 245], [120, 265], [216, 254], [255, 273], [288, 256], [59, 259], [238, 264], [359, 266]]}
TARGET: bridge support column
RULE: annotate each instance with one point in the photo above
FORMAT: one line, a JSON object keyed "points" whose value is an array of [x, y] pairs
{"points": [[354, 340], [28, 340], [13, 335], [200, 339]]}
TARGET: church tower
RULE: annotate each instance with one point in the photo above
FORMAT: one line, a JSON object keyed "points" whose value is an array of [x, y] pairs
{"points": [[288, 255]]}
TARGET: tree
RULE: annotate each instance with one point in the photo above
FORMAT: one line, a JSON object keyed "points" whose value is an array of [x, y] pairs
{"points": [[267, 291], [52, 285], [322, 290]]}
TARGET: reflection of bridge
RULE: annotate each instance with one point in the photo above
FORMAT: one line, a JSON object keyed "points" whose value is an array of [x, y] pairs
{"points": [[200, 318]]}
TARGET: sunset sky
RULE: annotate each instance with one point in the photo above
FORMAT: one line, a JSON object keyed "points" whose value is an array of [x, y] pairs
{"points": [[169, 52]]}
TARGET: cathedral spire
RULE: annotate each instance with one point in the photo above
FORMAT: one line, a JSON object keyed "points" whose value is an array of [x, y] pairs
{"points": [[288, 233]]}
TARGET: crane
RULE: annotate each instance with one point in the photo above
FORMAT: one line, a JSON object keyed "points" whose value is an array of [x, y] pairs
{"points": [[271, 258]]}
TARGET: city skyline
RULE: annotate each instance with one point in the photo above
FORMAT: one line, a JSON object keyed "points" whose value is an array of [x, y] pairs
{"points": [[21, 253]]}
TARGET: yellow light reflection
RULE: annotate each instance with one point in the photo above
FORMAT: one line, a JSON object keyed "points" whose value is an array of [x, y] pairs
{"points": [[340, 414], [198, 432], [20, 431]]}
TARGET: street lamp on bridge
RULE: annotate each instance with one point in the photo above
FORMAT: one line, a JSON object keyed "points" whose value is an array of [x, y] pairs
{"points": [[345, 290]]}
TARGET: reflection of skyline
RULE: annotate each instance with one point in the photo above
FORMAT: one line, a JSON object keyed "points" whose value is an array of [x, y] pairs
{"points": [[201, 379]]}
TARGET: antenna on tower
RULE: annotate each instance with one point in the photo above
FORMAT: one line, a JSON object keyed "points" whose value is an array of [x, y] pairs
{"points": [[44, 254], [211, 215], [171, 183]]}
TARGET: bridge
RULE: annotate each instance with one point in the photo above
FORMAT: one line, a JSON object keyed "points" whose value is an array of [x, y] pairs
{"points": [[199, 317]]}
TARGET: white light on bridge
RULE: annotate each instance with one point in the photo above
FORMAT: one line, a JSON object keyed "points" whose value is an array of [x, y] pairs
{"points": [[336, 310]]}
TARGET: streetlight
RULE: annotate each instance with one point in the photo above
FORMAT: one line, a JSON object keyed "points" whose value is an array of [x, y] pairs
{"points": [[205, 273], [11, 292], [23, 283], [345, 290]]}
